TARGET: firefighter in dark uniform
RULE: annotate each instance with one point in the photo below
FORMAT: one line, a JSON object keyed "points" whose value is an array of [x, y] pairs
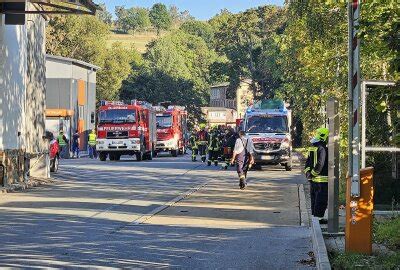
{"points": [[202, 141], [316, 171], [228, 143], [214, 147], [194, 146]]}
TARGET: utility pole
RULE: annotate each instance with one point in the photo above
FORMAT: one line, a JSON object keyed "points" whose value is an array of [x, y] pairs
{"points": [[359, 197], [354, 97], [333, 165]]}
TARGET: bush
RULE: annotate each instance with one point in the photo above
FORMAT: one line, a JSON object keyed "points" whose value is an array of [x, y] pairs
{"points": [[387, 232], [358, 261]]}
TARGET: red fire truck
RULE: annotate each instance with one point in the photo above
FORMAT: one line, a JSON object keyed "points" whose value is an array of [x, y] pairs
{"points": [[126, 129], [171, 130]]}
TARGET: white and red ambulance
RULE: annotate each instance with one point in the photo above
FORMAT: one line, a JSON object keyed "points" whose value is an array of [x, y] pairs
{"points": [[267, 123]]}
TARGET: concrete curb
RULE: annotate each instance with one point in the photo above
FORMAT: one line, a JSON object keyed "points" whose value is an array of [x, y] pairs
{"points": [[31, 183], [304, 218], [320, 252]]}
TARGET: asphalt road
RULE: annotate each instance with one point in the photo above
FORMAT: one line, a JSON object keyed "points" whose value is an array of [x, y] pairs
{"points": [[165, 213]]}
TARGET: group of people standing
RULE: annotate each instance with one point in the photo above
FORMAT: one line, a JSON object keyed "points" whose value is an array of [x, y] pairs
{"points": [[231, 148], [223, 145], [64, 144]]}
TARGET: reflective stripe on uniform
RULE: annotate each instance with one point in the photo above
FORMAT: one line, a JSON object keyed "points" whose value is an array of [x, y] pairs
{"points": [[314, 151], [320, 179], [92, 139], [314, 173], [315, 176]]}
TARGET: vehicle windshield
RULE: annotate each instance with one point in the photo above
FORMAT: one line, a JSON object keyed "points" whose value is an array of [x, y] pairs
{"points": [[117, 116], [267, 124], [164, 121]]}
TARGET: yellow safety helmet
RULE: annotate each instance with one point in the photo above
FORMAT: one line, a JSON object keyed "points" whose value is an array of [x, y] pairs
{"points": [[321, 135], [202, 126]]}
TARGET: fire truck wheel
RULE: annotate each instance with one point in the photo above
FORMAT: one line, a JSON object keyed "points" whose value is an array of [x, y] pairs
{"points": [[174, 153], [139, 156], [103, 156]]}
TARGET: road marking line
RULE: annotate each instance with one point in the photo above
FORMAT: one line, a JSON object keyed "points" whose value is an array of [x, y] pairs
{"points": [[143, 218], [175, 200]]}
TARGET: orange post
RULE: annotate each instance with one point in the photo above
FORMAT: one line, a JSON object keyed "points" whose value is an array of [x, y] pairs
{"points": [[359, 215]]}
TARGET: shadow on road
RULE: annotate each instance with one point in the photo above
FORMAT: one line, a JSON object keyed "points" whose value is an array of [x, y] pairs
{"points": [[87, 219]]}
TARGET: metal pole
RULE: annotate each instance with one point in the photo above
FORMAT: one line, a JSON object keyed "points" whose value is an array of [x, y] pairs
{"points": [[354, 84], [333, 165], [350, 89], [363, 123]]}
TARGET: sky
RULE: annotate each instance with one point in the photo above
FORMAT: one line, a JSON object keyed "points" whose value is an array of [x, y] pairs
{"points": [[200, 9]]}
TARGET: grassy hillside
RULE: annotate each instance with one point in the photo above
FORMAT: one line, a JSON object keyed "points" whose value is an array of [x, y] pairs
{"points": [[139, 40]]}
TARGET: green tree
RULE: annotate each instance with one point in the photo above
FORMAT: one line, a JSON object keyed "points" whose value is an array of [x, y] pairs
{"points": [[116, 68], [142, 18], [80, 37], [104, 15], [85, 38], [176, 68], [122, 22], [246, 39], [160, 17], [200, 29]]}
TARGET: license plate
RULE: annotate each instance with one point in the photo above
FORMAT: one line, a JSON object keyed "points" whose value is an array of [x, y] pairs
{"points": [[266, 157], [116, 142]]}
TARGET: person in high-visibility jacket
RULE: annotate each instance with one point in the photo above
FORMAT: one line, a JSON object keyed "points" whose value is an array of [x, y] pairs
{"points": [[316, 171], [92, 141], [202, 141], [214, 147], [63, 144], [193, 146]]}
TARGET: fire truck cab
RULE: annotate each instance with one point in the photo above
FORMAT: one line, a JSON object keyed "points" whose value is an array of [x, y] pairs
{"points": [[171, 130], [126, 129], [267, 123]]}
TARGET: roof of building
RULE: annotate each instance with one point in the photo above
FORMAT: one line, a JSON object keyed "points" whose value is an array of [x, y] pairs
{"points": [[72, 61], [52, 7]]}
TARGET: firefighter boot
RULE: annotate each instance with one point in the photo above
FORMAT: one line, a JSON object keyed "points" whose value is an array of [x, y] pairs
{"points": [[209, 163], [216, 162], [203, 159], [193, 158]]}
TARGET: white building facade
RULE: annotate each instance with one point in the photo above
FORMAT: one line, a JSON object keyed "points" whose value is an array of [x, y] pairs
{"points": [[22, 99]]}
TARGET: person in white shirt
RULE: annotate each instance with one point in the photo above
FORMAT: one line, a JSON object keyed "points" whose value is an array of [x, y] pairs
{"points": [[243, 155]]}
